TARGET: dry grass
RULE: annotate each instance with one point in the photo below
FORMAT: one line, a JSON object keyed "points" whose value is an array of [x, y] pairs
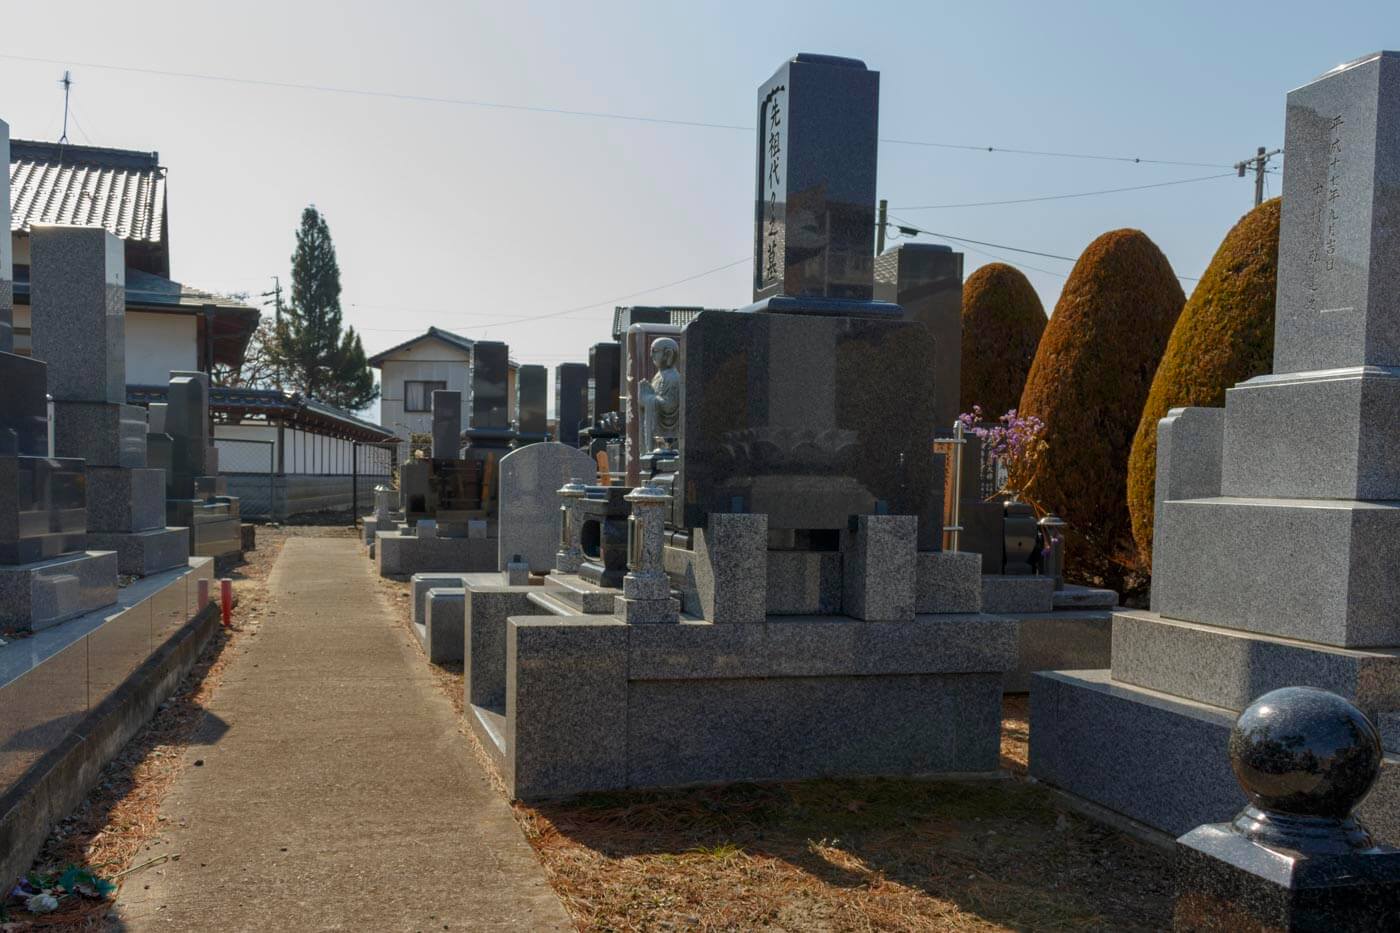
{"points": [[117, 820], [839, 855]]}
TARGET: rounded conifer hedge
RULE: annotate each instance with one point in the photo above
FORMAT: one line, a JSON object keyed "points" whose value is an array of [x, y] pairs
{"points": [[1002, 321], [1088, 385], [1225, 335]]}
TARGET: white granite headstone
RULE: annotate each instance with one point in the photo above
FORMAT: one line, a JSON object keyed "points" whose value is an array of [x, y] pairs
{"points": [[529, 516]]}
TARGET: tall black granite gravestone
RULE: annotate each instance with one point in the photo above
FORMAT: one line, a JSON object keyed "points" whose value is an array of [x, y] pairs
{"points": [[490, 434], [604, 381], [447, 424], [7, 277], [570, 400], [490, 410], [926, 280], [814, 203], [532, 399], [604, 396]]}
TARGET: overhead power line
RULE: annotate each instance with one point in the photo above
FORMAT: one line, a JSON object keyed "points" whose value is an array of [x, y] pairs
{"points": [[908, 228], [1061, 197], [563, 111]]}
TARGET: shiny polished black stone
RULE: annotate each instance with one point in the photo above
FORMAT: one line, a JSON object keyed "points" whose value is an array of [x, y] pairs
{"points": [[490, 370], [809, 419], [43, 508], [454, 486], [447, 423], [532, 388], [414, 478], [604, 381], [24, 423], [1305, 752], [604, 535], [570, 400], [814, 196]]}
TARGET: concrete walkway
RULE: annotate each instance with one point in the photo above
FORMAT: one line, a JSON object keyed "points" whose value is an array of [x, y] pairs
{"points": [[336, 791]]}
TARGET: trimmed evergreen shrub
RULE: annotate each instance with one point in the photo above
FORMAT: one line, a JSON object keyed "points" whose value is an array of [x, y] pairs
{"points": [[1002, 320], [1088, 384], [1225, 335]]}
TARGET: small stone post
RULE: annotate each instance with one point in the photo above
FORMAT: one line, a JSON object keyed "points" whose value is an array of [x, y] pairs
{"points": [[1295, 858], [570, 555]]}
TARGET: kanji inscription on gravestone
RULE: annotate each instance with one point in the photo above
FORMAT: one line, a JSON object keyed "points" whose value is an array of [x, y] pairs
{"points": [[1339, 244]]}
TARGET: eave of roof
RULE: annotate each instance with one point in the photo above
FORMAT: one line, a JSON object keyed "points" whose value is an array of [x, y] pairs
{"points": [[293, 409], [432, 333], [234, 322]]}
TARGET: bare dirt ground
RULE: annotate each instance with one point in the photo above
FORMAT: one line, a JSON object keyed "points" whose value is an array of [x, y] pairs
{"points": [[109, 832], [841, 855]]}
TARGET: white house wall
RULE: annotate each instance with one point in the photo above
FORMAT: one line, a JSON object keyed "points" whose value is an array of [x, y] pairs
{"points": [[157, 344], [305, 454], [426, 361]]}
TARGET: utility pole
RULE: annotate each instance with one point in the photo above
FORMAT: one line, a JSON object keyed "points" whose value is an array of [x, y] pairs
{"points": [[1259, 163], [880, 227], [66, 82], [276, 296]]}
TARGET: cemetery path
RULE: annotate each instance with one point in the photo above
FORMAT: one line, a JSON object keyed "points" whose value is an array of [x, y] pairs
{"points": [[335, 790]]}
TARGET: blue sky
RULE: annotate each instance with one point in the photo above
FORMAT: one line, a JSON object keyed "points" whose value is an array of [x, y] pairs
{"points": [[478, 219]]}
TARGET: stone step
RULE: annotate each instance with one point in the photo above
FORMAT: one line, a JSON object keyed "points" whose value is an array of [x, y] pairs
{"points": [[1230, 669], [554, 605], [1317, 570], [1156, 759]]}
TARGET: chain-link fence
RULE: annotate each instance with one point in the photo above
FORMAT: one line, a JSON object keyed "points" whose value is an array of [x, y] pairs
{"points": [[374, 465], [251, 470]]}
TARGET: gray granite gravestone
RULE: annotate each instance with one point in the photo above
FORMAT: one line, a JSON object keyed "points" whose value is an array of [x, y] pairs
{"points": [[46, 573], [570, 400], [926, 280], [78, 308], [529, 520], [196, 496], [1277, 524]]}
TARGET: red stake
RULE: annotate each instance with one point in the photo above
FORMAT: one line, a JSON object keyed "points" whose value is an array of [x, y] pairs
{"points": [[203, 595], [226, 599]]}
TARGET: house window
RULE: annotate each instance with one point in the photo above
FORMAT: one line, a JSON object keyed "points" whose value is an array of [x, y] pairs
{"points": [[418, 396]]}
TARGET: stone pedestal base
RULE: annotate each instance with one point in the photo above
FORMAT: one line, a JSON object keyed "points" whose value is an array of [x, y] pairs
{"points": [[1227, 882], [1014, 595], [443, 625], [121, 499], [35, 596], [142, 553], [1156, 759], [647, 611]]}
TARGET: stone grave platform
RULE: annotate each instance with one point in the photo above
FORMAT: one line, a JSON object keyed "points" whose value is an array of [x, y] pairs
{"points": [[37, 595], [401, 554], [568, 700], [1064, 629], [606, 705]]}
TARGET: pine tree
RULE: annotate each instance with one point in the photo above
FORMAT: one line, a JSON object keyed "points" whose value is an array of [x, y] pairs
{"points": [[319, 357]]}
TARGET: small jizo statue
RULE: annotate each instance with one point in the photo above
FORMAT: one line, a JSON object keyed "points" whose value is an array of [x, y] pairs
{"points": [[661, 397]]}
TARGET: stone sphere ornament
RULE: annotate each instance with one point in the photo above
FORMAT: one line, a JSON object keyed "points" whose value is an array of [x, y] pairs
{"points": [[1305, 758]]}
